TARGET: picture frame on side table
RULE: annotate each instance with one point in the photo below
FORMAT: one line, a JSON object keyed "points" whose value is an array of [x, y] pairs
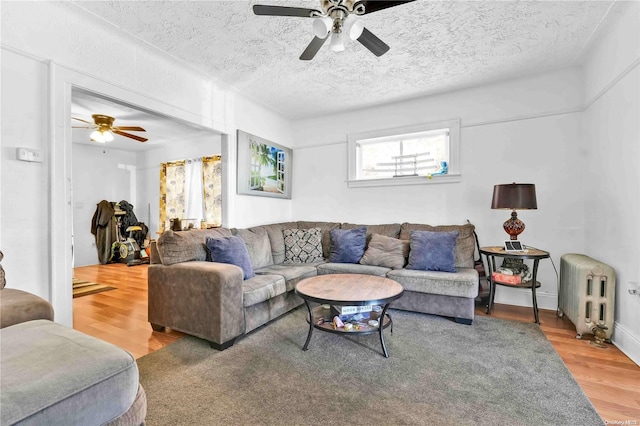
{"points": [[263, 167]]}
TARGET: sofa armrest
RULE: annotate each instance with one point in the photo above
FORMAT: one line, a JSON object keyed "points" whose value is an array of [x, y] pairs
{"points": [[203, 299]]}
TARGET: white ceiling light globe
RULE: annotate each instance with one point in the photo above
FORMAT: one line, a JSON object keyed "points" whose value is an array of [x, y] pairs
{"points": [[322, 26]]}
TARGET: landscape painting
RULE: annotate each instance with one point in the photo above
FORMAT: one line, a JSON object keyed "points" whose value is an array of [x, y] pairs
{"points": [[264, 167]]}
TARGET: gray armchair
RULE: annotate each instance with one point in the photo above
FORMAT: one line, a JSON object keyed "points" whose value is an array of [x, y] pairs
{"points": [[17, 306]]}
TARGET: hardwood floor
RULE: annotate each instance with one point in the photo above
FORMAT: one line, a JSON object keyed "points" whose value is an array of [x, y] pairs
{"points": [[609, 378]]}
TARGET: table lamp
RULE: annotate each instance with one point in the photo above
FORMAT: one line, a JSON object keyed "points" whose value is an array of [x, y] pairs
{"points": [[514, 196]]}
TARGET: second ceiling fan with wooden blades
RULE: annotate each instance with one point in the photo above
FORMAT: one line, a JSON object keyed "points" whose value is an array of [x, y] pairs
{"points": [[336, 19], [104, 129]]}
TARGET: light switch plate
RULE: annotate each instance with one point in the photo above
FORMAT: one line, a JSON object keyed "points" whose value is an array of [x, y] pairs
{"points": [[28, 154]]}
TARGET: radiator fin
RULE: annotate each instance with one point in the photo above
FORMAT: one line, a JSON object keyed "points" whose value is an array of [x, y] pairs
{"points": [[587, 293]]}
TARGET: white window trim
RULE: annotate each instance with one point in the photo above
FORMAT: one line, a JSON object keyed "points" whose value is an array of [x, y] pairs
{"points": [[454, 174]]}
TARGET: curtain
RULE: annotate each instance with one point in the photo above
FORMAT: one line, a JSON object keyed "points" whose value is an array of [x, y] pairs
{"points": [[171, 192], [193, 194], [191, 189], [212, 189]]}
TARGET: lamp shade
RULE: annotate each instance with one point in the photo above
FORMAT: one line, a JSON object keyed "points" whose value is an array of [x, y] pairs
{"points": [[514, 196]]}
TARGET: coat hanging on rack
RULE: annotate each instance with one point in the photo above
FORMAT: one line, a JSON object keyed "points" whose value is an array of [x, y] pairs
{"points": [[104, 228]]}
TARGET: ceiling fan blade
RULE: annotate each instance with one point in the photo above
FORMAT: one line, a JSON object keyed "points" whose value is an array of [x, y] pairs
{"points": [[84, 121], [313, 48], [129, 135], [373, 43], [371, 6], [300, 12], [133, 128], [83, 127]]}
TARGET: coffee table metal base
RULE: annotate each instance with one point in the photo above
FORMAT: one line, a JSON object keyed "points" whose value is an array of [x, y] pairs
{"points": [[384, 321]]}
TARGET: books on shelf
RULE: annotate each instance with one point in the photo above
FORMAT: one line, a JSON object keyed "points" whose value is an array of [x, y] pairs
{"points": [[506, 279], [348, 313], [350, 310]]}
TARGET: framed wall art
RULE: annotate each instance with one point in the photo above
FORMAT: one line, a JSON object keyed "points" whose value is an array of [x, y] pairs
{"points": [[264, 167]]}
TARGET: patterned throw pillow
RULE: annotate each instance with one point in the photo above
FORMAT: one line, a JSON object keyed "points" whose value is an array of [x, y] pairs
{"points": [[302, 245]]}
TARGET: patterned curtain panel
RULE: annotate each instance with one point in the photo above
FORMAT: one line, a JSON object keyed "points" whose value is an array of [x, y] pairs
{"points": [[171, 192], [212, 187]]}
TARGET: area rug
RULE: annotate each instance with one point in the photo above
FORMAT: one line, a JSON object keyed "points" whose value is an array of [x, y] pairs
{"points": [[84, 288], [494, 372]]}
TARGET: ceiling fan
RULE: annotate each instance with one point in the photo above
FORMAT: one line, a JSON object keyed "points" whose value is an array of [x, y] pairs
{"points": [[105, 129], [335, 19]]}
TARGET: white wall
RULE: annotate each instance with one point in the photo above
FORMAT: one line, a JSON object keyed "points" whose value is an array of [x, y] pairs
{"points": [[96, 177], [611, 139], [47, 46], [24, 191], [148, 169], [526, 130]]}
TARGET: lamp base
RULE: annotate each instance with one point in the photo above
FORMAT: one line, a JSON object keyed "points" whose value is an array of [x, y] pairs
{"points": [[513, 226]]}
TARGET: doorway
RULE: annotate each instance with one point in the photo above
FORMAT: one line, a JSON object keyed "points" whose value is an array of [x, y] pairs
{"points": [[65, 84]]}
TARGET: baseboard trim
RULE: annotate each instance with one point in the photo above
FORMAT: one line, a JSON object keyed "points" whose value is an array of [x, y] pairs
{"points": [[628, 343], [522, 297]]}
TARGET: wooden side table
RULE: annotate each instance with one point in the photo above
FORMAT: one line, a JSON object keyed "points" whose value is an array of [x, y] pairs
{"points": [[531, 253]]}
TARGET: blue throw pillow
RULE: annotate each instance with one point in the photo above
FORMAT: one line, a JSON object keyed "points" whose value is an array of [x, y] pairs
{"points": [[433, 251], [231, 250], [347, 245]]}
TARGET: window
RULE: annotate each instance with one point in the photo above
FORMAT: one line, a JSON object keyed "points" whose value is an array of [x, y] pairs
{"points": [[420, 154]]}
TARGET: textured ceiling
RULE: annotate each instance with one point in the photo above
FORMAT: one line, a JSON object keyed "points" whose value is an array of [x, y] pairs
{"points": [[435, 46]]}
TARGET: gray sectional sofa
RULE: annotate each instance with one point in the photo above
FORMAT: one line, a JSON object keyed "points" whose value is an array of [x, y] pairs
{"points": [[211, 300]]}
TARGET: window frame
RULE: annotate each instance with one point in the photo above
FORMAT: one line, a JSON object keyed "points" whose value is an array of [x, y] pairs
{"points": [[453, 175]]}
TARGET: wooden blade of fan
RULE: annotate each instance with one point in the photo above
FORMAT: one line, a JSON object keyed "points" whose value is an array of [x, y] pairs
{"points": [[129, 135], [133, 128], [84, 121], [299, 12], [371, 6], [83, 127], [373, 43], [313, 48]]}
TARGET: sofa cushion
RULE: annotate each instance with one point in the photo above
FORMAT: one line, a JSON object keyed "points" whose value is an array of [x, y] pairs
{"points": [[276, 239], [351, 268], [347, 245], [432, 251], [463, 283], [185, 246], [386, 251], [231, 250], [53, 374], [261, 288], [258, 246], [388, 230], [292, 273], [302, 245], [465, 245], [326, 228]]}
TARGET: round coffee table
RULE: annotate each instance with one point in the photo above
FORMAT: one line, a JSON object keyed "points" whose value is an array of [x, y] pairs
{"points": [[348, 290]]}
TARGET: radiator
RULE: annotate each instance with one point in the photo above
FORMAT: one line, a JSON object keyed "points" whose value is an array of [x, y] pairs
{"points": [[587, 293]]}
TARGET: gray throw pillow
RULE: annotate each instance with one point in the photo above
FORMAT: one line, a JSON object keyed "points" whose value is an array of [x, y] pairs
{"points": [[432, 251], [386, 251], [231, 250], [347, 245], [302, 245]]}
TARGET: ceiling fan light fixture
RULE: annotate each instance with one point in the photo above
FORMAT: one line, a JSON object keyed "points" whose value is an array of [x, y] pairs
{"points": [[322, 26], [97, 136], [337, 43], [108, 136], [353, 27]]}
